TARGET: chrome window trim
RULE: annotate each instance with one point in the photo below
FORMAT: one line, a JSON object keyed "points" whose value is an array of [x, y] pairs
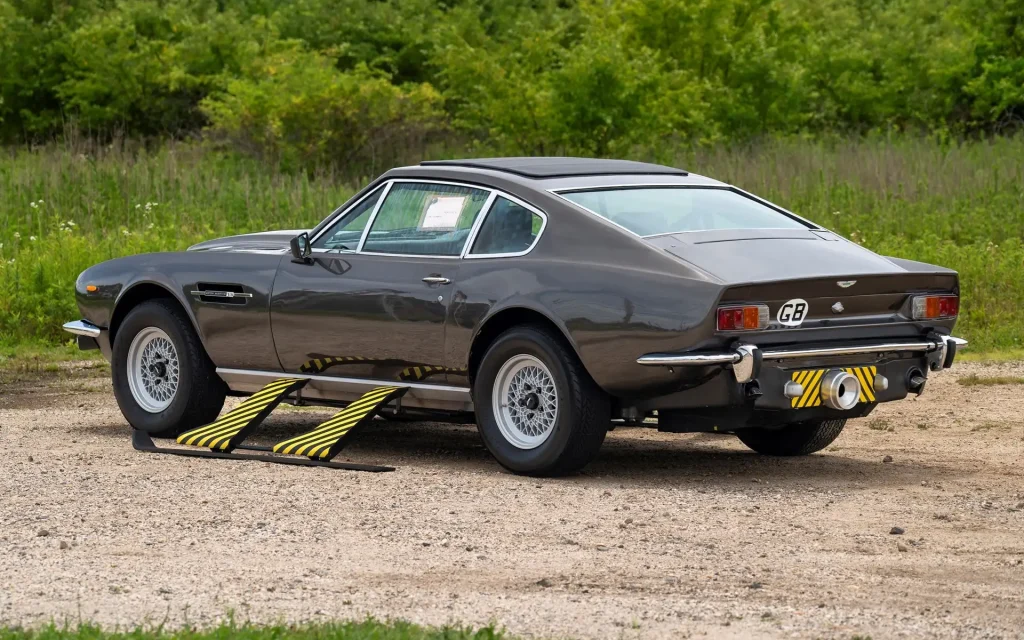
{"points": [[373, 218], [373, 215], [468, 251], [408, 255], [475, 229], [338, 215], [646, 185]]}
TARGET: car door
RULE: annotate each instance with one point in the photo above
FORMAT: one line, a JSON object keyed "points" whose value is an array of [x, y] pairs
{"points": [[372, 301]]}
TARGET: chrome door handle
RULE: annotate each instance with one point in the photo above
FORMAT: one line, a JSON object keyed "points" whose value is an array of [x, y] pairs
{"points": [[436, 280]]}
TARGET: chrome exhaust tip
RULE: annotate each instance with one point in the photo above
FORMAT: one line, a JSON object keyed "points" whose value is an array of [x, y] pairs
{"points": [[839, 390]]}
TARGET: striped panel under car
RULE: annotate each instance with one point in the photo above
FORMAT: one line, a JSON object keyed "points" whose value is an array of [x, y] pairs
{"points": [[811, 381], [231, 428], [323, 442]]}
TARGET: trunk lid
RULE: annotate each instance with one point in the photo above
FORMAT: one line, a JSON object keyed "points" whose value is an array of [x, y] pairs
{"points": [[842, 283]]}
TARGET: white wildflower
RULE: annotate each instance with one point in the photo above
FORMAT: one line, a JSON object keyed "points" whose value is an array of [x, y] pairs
{"points": [[71, 223], [17, 236], [150, 226], [126, 232], [32, 238], [138, 206], [33, 204]]}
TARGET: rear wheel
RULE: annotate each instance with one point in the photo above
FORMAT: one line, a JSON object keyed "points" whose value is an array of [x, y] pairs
{"points": [[538, 411], [163, 380], [798, 439]]}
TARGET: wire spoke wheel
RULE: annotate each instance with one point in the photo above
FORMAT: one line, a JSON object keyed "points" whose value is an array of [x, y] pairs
{"points": [[153, 369], [525, 401]]}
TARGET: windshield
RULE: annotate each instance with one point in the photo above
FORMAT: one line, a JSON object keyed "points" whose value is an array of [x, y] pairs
{"points": [[651, 211]]}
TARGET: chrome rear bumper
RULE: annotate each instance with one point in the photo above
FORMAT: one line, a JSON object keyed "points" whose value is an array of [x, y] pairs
{"points": [[744, 357]]}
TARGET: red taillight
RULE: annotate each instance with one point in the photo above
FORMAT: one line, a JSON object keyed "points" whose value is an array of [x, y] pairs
{"points": [[745, 318], [933, 307]]}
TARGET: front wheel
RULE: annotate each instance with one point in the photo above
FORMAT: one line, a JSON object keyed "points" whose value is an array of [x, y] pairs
{"points": [[799, 439], [538, 411], [163, 380]]}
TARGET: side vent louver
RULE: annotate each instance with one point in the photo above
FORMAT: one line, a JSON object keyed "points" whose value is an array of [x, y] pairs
{"points": [[221, 293]]}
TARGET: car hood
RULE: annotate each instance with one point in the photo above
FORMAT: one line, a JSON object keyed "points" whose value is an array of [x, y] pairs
{"points": [[761, 255], [265, 242]]}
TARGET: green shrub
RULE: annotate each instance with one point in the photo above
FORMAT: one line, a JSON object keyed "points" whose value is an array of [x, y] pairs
{"points": [[298, 109]]}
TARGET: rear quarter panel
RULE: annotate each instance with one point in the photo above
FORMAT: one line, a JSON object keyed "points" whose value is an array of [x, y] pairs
{"points": [[613, 297]]}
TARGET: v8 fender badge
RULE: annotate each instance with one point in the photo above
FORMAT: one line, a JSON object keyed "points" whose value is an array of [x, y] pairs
{"points": [[792, 313]]}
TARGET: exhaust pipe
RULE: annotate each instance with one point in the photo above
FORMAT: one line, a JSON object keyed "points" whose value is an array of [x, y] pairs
{"points": [[839, 390]]}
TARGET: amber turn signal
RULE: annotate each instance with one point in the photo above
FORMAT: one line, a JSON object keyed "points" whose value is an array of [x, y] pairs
{"points": [[743, 318], [933, 307], [91, 288]]}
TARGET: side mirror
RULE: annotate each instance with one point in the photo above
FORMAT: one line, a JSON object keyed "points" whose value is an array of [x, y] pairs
{"points": [[301, 249]]}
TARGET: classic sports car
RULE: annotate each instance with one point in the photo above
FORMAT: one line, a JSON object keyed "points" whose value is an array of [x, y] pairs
{"points": [[554, 298]]}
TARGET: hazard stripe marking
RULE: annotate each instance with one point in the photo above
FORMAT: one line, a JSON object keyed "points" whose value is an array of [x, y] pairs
{"points": [[811, 381], [231, 428], [325, 441], [414, 373]]}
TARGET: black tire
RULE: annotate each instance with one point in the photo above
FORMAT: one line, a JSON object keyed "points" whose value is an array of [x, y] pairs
{"points": [[583, 411], [799, 439], [200, 393]]}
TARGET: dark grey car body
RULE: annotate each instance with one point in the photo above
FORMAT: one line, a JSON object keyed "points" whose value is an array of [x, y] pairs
{"points": [[613, 295]]}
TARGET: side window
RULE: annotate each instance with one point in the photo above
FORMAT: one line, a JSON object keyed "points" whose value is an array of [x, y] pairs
{"points": [[425, 219], [508, 228], [346, 232]]}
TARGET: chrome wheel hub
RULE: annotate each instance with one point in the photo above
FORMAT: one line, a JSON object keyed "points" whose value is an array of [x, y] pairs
{"points": [[153, 369], [525, 402]]}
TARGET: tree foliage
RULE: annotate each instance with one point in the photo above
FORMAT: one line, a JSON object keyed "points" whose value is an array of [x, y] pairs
{"points": [[314, 81]]}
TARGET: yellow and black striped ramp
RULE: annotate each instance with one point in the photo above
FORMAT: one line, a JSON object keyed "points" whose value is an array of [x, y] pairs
{"points": [[326, 440], [811, 380], [230, 429]]}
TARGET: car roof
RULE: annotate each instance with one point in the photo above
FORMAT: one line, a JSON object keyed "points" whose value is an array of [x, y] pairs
{"points": [[559, 167]]}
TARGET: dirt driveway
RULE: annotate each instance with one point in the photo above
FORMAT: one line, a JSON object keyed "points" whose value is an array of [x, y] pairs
{"points": [[664, 536]]}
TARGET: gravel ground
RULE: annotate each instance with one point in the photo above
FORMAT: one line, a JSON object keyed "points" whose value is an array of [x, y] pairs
{"points": [[663, 536]]}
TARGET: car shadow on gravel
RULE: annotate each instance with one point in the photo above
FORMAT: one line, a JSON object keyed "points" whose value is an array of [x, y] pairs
{"points": [[627, 457]]}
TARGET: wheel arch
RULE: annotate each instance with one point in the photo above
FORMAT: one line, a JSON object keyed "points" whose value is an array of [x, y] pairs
{"points": [[503, 320], [139, 292]]}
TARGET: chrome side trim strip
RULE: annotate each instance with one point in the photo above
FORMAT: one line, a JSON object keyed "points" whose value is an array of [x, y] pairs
{"points": [[216, 293], [732, 357], [426, 396], [82, 328]]}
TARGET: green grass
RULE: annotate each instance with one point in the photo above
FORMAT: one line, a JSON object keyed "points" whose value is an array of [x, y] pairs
{"points": [[958, 206], [974, 380], [1002, 355], [366, 630], [31, 361]]}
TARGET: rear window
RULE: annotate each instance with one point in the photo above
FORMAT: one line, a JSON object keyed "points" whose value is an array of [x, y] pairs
{"points": [[651, 211]]}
